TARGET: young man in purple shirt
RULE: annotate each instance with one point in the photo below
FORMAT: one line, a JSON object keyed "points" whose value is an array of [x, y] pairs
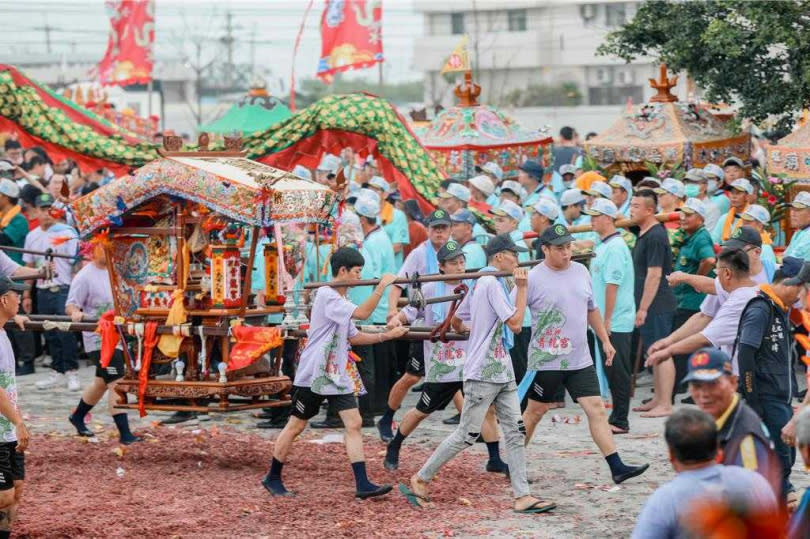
{"points": [[489, 378], [325, 370]]}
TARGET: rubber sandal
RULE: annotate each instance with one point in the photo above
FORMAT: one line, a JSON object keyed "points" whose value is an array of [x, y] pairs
{"points": [[413, 499], [537, 507]]}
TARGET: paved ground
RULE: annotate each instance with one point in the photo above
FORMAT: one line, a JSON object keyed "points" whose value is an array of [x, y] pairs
{"points": [[564, 464]]}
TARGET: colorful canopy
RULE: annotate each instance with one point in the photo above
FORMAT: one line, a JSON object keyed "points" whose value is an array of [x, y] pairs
{"points": [[241, 189], [791, 156], [256, 111]]}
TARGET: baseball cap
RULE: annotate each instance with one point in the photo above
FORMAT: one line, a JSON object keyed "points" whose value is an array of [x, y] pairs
{"points": [[7, 285], [302, 172], [44, 200], [491, 167], [379, 183], [622, 183], [707, 365], [736, 161], [483, 184], [673, 187], [449, 251], [464, 216], [556, 235], [548, 208], [802, 277], [9, 188], [714, 171], [532, 168], [371, 161], [507, 208], [367, 206], [329, 163], [437, 218], [599, 189], [502, 242], [368, 193], [745, 235], [648, 182], [6, 166], [694, 205], [695, 175], [567, 169], [742, 185], [801, 200], [603, 206], [571, 197], [755, 212], [513, 187], [458, 191]]}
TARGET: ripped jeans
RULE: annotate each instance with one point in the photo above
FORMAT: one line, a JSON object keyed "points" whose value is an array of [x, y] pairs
{"points": [[478, 396]]}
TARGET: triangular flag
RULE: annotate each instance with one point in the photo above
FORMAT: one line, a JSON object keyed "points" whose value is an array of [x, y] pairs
{"points": [[459, 60]]}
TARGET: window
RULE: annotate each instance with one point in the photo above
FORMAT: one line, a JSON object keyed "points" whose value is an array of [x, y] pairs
{"points": [[456, 23], [615, 14], [517, 20]]}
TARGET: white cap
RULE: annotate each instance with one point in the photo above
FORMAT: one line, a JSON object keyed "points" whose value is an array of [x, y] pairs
{"points": [[743, 185], [368, 193], [714, 170], [755, 212], [800, 201], [367, 206], [694, 205], [571, 197], [567, 169], [9, 188], [330, 163], [548, 208], [483, 184], [507, 208], [603, 206], [622, 183], [493, 168], [600, 189], [458, 191], [673, 187], [513, 186], [302, 172], [379, 183]]}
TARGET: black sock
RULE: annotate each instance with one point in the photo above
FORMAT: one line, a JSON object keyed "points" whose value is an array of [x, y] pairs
{"points": [[398, 439], [388, 417], [273, 480], [81, 411], [122, 423], [5, 534], [494, 453], [616, 464], [275, 470], [360, 477]]}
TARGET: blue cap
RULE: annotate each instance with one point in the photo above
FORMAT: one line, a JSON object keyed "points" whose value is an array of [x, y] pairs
{"points": [[600, 189], [791, 266], [548, 208], [532, 168], [707, 365], [464, 216], [672, 186], [755, 212], [507, 208]]}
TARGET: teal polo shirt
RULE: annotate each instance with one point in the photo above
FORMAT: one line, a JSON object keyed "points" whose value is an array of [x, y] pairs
{"points": [[16, 231], [474, 255], [397, 231], [378, 253], [695, 248], [799, 244], [613, 264]]}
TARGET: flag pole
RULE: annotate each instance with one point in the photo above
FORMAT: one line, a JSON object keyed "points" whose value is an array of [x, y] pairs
{"points": [[295, 53], [149, 89]]}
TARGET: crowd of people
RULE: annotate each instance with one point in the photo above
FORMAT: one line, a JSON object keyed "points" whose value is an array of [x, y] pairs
{"points": [[698, 300]]}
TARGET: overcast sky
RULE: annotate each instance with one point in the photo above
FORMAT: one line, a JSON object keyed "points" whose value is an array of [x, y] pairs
{"points": [[80, 28]]}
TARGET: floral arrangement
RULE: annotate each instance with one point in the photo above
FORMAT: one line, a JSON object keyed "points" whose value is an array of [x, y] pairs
{"points": [[665, 170], [773, 193]]}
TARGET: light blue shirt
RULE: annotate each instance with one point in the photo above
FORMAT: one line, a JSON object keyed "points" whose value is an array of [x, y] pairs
{"points": [[799, 244], [661, 516], [717, 233], [768, 258], [474, 255], [397, 231], [581, 220], [613, 264], [722, 202], [494, 198], [534, 196], [378, 253], [257, 282], [480, 234], [517, 237]]}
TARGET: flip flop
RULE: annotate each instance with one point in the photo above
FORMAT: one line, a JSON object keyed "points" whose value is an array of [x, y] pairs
{"points": [[537, 507], [413, 498], [618, 430]]}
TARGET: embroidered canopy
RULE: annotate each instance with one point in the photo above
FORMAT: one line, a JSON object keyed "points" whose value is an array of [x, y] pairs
{"points": [[238, 188], [791, 155], [666, 131]]}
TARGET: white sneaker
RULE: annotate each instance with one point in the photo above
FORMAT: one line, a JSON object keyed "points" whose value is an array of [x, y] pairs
{"points": [[73, 381], [53, 380]]}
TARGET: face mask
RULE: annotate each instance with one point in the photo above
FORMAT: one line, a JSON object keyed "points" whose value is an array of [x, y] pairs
{"points": [[692, 190], [711, 187]]}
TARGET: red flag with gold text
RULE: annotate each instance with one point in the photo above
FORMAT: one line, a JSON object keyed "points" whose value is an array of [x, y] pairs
{"points": [[351, 36], [129, 58]]}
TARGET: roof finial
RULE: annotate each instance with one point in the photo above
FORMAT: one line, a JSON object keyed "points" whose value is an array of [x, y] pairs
{"points": [[663, 85], [468, 92]]}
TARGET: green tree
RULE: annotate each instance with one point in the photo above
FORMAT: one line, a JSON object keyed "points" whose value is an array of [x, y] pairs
{"points": [[312, 90], [566, 94], [754, 52]]}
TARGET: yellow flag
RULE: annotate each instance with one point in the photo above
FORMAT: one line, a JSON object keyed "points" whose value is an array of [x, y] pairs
{"points": [[459, 59]]}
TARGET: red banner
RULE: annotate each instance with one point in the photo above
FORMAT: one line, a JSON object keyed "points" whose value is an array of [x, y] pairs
{"points": [[351, 35], [129, 59]]}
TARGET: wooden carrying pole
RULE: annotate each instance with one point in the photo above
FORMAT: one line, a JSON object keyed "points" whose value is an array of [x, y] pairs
{"points": [[620, 223]]}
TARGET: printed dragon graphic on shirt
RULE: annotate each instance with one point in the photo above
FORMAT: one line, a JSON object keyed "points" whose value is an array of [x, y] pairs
{"points": [[548, 341], [330, 372], [495, 369], [445, 359]]}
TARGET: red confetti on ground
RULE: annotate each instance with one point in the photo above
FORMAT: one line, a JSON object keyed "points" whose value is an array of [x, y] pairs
{"points": [[181, 483]]}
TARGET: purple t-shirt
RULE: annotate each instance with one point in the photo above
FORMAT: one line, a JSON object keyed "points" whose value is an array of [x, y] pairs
{"points": [[416, 261], [324, 360], [90, 291], [712, 302], [488, 359], [444, 362], [559, 302], [53, 238], [7, 265]]}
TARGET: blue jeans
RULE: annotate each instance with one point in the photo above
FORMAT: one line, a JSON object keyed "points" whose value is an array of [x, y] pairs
{"points": [[62, 344], [776, 412], [656, 327]]}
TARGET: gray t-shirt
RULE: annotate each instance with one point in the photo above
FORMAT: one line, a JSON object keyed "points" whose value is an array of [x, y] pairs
{"points": [[90, 291], [8, 433], [488, 359], [559, 302], [7, 265]]}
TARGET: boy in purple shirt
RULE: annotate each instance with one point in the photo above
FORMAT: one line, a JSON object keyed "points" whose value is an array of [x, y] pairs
{"points": [[326, 370], [489, 378]]}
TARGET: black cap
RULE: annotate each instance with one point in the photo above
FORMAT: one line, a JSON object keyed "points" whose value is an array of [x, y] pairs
{"points": [[7, 285], [736, 161], [449, 251], [502, 242], [556, 235], [795, 278], [707, 365], [532, 168], [45, 200], [745, 235], [438, 217]]}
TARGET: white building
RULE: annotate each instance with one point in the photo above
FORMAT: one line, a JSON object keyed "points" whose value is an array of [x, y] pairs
{"points": [[517, 43]]}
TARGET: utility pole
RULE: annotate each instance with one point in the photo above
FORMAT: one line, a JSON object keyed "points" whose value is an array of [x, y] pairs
{"points": [[47, 29], [228, 41]]}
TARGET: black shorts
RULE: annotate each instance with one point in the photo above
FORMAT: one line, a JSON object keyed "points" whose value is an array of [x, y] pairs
{"points": [[12, 465], [437, 395], [416, 359], [547, 385], [306, 404], [114, 370]]}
